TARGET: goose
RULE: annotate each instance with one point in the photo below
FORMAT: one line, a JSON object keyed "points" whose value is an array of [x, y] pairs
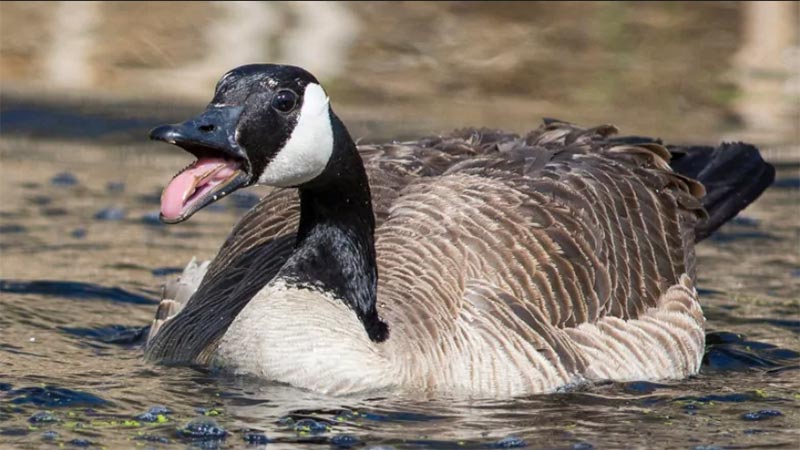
{"points": [[475, 263]]}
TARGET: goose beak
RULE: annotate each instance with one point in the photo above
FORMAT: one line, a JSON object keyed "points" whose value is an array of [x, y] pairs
{"points": [[222, 165]]}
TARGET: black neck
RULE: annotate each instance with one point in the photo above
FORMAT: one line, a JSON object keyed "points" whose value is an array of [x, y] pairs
{"points": [[335, 247]]}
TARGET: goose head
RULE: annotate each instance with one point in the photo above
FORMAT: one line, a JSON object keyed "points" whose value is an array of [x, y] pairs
{"points": [[267, 124]]}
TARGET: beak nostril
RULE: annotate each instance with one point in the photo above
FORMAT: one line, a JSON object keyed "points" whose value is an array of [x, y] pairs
{"points": [[206, 128]]}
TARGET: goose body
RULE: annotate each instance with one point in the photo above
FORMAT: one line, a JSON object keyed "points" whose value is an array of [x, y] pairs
{"points": [[477, 263]]}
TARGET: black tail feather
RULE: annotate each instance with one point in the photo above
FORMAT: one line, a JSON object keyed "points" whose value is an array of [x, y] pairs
{"points": [[734, 175]]}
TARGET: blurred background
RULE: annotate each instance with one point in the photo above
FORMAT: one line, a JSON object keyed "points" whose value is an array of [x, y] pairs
{"points": [[680, 70], [83, 254]]}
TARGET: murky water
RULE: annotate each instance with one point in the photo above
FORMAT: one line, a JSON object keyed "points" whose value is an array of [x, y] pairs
{"points": [[82, 255]]}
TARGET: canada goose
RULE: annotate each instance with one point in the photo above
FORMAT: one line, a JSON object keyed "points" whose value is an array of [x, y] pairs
{"points": [[477, 263]]}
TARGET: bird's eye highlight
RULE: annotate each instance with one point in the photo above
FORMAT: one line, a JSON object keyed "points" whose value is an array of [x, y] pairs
{"points": [[284, 101]]}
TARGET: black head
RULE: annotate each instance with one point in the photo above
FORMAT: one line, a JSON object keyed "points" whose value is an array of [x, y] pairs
{"points": [[267, 124]]}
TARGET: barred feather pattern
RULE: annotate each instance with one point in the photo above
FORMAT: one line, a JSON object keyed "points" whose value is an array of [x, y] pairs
{"points": [[507, 264]]}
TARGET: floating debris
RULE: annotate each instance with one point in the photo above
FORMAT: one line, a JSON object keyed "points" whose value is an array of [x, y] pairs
{"points": [[156, 414], [256, 438], [43, 417], [286, 421], [159, 409], [510, 442], [310, 426], [210, 412], [346, 415], [203, 429], [80, 442]]}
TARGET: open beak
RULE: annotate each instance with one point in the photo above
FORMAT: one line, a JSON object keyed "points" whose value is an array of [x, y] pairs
{"points": [[221, 167]]}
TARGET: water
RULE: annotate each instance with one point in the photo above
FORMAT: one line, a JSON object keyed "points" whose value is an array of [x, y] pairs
{"points": [[82, 256]]}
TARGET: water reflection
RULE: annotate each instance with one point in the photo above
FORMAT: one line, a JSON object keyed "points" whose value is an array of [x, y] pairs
{"points": [[80, 53], [67, 60], [684, 71], [767, 71], [82, 83]]}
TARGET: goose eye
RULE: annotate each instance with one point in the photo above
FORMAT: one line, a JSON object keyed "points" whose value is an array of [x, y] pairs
{"points": [[284, 101]]}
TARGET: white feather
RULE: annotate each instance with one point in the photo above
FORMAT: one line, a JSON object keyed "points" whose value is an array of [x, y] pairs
{"points": [[306, 338], [309, 148]]}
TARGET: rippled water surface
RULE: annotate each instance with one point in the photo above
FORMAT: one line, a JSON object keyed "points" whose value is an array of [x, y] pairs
{"points": [[83, 256]]}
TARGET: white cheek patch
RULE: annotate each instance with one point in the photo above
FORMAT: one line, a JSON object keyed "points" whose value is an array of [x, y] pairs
{"points": [[309, 148]]}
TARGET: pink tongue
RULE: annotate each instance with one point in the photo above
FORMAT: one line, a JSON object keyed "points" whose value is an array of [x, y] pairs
{"points": [[180, 189]]}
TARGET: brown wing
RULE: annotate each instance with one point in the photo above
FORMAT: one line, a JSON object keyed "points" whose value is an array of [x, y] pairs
{"points": [[547, 233], [255, 250]]}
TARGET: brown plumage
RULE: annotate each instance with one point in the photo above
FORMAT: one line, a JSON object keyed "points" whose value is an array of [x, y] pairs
{"points": [[507, 264]]}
